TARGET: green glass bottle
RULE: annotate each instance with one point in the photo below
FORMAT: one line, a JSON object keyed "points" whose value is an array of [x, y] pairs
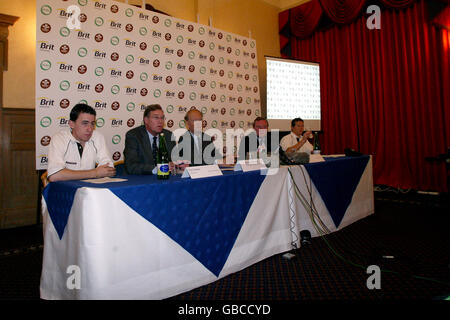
{"points": [[162, 159], [316, 149]]}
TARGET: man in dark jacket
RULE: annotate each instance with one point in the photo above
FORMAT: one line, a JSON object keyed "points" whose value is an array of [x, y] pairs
{"points": [[256, 141], [141, 143], [194, 145]]}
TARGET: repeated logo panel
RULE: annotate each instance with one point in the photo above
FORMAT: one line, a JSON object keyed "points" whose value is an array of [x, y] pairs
{"points": [[119, 59]]}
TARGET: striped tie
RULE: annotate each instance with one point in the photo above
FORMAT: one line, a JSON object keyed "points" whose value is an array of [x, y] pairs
{"points": [[154, 149]]}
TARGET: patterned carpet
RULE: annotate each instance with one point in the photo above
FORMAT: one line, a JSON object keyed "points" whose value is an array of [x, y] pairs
{"points": [[407, 238]]}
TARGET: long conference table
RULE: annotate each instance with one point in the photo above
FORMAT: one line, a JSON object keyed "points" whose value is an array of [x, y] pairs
{"points": [[145, 238]]}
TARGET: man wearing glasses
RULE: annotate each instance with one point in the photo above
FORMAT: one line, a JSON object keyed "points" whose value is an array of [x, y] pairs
{"points": [[141, 143]]}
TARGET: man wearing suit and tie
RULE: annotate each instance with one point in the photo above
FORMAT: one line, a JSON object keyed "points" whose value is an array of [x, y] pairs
{"points": [[141, 143], [194, 145], [256, 141]]}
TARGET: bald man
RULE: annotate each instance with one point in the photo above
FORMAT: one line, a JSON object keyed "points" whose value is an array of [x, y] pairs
{"points": [[194, 145]]}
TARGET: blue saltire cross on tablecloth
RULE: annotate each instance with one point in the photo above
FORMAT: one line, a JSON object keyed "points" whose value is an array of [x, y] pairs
{"points": [[336, 180], [204, 216]]}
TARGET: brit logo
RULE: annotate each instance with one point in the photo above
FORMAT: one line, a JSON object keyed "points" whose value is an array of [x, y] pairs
{"points": [[156, 34], [158, 78], [64, 67], [143, 16], [83, 35], [115, 25], [130, 44], [45, 102], [143, 61], [100, 54], [116, 123], [82, 87], [99, 105], [114, 73], [130, 90]]}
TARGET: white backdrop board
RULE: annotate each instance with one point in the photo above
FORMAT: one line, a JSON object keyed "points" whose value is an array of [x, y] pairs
{"points": [[122, 58]]}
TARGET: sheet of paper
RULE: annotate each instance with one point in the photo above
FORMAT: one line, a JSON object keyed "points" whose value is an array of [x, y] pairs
{"points": [[104, 180], [250, 165], [316, 158], [202, 171]]}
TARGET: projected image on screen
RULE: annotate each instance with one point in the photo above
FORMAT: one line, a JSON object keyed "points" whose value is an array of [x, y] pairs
{"points": [[293, 90]]}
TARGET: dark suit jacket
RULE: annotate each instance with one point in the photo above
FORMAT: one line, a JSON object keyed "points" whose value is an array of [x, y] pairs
{"points": [[138, 150], [195, 157], [250, 143]]}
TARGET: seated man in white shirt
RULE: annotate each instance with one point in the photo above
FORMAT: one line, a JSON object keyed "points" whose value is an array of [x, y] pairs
{"points": [[295, 142], [73, 154]]}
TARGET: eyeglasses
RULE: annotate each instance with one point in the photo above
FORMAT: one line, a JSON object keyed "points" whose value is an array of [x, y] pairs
{"points": [[158, 118]]}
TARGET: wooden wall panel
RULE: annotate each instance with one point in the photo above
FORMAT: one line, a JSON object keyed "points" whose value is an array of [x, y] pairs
{"points": [[19, 177]]}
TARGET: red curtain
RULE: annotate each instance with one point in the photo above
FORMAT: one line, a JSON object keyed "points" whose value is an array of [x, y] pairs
{"points": [[342, 11], [397, 3], [386, 93], [304, 19]]}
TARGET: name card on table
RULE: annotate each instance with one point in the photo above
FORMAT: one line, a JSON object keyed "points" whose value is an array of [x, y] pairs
{"points": [[202, 171], [250, 165], [316, 158]]}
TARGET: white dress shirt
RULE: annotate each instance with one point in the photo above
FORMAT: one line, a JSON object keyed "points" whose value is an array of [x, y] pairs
{"points": [[63, 153], [291, 139]]}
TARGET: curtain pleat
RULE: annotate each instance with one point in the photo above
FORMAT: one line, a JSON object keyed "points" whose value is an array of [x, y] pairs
{"points": [[342, 11], [398, 4], [386, 92], [304, 19]]}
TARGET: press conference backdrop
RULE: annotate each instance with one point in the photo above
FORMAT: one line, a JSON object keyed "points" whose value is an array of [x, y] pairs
{"points": [[122, 58], [293, 90]]}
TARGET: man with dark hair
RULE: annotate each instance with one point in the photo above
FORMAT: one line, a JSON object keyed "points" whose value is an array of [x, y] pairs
{"points": [[297, 140], [256, 141], [73, 155], [194, 145], [142, 143]]}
